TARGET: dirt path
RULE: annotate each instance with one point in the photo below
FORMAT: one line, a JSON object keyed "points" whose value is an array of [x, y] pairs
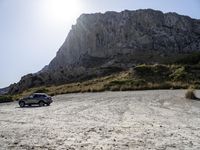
{"points": [[162, 120]]}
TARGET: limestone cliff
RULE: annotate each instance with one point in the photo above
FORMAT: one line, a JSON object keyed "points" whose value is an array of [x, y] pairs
{"points": [[101, 44]]}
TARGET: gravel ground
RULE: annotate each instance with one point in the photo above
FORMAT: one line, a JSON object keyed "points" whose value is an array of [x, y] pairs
{"points": [[160, 119]]}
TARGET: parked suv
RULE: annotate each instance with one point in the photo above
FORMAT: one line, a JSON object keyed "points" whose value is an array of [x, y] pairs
{"points": [[40, 99]]}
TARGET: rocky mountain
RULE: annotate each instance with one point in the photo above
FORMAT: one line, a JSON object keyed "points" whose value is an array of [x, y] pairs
{"points": [[101, 44], [4, 90]]}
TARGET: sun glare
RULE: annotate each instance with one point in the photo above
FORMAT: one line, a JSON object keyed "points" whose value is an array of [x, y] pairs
{"points": [[62, 10]]}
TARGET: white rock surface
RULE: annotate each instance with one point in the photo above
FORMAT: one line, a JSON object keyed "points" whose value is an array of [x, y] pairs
{"points": [[162, 120]]}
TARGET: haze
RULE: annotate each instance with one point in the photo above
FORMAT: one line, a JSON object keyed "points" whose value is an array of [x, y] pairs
{"points": [[31, 31]]}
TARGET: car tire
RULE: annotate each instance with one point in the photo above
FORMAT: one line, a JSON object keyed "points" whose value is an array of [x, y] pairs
{"points": [[48, 104], [22, 104], [41, 103]]}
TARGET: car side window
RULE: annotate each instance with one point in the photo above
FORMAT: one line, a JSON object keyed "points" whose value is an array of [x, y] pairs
{"points": [[30, 97], [40, 96], [35, 96]]}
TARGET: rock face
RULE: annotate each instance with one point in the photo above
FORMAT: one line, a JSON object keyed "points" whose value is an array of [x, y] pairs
{"points": [[101, 44], [4, 91]]}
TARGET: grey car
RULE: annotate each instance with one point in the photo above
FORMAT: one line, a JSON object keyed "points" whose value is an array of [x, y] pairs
{"points": [[40, 99]]}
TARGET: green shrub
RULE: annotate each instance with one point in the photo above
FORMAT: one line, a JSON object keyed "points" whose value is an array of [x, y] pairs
{"points": [[6, 98], [165, 85], [152, 73], [42, 90], [143, 70], [120, 82], [132, 82], [189, 59], [179, 74]]}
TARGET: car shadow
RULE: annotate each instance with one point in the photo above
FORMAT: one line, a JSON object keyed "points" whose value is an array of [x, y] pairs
{"points": [[197, 99]]}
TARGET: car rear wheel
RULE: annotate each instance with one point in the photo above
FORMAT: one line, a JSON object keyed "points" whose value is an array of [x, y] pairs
{"points": [[41, 103], [22, 104], [48, 104]]}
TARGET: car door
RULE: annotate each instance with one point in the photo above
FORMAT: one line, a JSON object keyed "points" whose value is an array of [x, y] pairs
{"points": [[36, 99], [29, 100], [40, 98]]}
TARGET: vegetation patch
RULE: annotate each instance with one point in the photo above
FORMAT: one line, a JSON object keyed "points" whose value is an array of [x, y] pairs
{"points": [[41, 90], [142, 77], [6, 98], [152, 73], [189, 59], [179, 74]]}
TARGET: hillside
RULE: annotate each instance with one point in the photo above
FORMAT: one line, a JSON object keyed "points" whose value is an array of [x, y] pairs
{"points": [[4, 90], [103, 44], [141, 77]]}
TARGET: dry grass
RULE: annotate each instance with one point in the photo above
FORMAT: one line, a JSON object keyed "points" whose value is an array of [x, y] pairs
{"points": [[143, 77], [190, 94]]}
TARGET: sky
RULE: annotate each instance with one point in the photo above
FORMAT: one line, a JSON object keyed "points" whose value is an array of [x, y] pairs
{"points": [[32, 31]]}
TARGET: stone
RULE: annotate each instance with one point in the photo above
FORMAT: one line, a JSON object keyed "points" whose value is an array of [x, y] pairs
{"points": [[100, 44]]}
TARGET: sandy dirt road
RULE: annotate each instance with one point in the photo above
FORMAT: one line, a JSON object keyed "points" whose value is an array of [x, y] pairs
{"points": [[162, 120]]}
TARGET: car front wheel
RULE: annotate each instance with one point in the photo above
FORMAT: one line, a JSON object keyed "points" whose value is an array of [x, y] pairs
{"points": [[41, 103], [22, 104]]}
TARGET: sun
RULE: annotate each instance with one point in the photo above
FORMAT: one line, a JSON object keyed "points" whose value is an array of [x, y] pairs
{"points": [[62, 10]]}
